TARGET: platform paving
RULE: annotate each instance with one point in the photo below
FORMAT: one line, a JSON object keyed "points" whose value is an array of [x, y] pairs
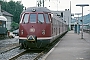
{"points": [[71, 47]]}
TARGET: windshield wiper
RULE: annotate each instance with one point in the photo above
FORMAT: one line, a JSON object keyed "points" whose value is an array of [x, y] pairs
{"points": [[40, 21]]}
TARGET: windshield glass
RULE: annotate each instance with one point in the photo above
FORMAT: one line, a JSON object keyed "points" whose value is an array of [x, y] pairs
{"points": [[46, 18], [40, 18], [25, 20], [32, 18]]}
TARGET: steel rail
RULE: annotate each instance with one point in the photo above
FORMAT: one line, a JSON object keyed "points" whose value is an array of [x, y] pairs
{"points": [[18, 55]]}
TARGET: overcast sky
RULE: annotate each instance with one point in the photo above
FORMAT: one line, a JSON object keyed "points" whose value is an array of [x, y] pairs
{"points": [[62, 5]]}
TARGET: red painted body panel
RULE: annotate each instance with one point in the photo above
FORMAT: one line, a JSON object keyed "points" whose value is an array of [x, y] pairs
{"points": [[38, 28]]}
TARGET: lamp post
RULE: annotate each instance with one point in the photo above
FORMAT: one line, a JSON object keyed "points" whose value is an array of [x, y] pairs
{"points": [[78, 22], [82, 5], [57, 4]]}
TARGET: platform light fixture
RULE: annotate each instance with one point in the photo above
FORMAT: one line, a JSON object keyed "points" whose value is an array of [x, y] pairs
{"points": [[82, 5]]}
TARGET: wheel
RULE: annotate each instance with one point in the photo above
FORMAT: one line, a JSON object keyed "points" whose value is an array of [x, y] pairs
{"points": [[21, 46], [25, 46]]}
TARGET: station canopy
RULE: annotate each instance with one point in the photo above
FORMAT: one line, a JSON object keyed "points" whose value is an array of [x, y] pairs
{"points": [[2, 18]]}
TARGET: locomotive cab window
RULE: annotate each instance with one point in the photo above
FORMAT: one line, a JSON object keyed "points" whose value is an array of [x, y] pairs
{"points": [[0, 23], [40, 18], [25, 20], [47, 18], [4, 24], [32, 18]]}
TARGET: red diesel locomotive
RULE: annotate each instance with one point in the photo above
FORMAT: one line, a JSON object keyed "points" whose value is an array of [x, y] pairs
{"points": [[39, 27]]}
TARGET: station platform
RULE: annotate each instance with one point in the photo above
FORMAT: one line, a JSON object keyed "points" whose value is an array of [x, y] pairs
{"points": [[71, 47]]}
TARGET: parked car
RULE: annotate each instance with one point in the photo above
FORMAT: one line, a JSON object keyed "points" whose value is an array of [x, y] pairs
{"points": [[11, 35], [16, 32]]}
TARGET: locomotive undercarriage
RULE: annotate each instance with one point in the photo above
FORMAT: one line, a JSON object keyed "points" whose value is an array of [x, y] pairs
{"points": [[39, 44]]}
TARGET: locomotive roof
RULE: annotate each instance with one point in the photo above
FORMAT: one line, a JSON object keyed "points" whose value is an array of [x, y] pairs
{"points": [[2, 18], [38, 9]]}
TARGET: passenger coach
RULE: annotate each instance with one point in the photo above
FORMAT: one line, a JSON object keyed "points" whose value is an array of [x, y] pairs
{"points": [[3, 29]]}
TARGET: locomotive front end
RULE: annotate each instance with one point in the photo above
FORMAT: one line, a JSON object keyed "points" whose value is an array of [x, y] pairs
{"points": [[35, 28]]}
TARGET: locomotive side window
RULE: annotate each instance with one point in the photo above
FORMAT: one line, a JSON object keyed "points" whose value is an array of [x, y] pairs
{"points": [[50, 18], [25, 20], [46, 17], [32, 18], [40, 18]]}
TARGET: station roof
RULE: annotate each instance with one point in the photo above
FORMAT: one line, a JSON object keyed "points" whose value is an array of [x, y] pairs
{"points": [[6, 13]]}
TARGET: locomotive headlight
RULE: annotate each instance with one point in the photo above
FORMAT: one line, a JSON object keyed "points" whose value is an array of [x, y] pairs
{"points": [[33, 10], [43, 32], [22, 32]]}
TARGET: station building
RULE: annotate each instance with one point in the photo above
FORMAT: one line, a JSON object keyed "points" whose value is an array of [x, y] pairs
{"points": [[8, 16]]}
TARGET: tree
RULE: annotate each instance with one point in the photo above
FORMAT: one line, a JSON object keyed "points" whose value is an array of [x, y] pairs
{"points": [[14, 26], [14, 8]]}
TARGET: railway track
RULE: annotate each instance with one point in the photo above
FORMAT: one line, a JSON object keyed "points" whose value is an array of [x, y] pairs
{"points": [[8, 44], [12, 53], [17, 54], [32, 55], [38, 56], [8, 50], [27, 55], [9, 54]]}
